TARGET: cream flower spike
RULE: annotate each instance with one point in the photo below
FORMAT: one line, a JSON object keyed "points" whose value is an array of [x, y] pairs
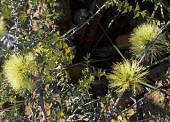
{"points": [[18, 70], [143, 41], [127, 75]]}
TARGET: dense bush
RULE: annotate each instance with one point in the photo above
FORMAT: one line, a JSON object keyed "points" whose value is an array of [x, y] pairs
{"points": [[46, 75]]}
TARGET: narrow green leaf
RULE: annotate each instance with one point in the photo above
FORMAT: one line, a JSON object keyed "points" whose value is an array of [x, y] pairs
{"points": [[137, 7], [143, 13], [130, 8], [136, 15], [125, 11]]}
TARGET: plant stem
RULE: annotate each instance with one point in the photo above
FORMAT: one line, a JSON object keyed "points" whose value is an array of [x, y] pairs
{"points": [[151, 118], [85, 23], [114, 106], [26, 119], [112, 42], [42, 101], [40, 90], [140, 100], [115, 17], [157, 62]]}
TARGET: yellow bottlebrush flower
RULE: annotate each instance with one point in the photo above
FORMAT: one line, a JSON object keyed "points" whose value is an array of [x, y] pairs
{"points": [[142, 37], [127, 76], [18, 70], [2, 28]]}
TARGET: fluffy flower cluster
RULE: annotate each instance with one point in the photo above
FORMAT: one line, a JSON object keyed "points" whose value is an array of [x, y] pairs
{"points": [[143, 41], [127, 76], [18, 71]]}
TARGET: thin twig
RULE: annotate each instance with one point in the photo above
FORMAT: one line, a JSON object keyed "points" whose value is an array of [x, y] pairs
{"points": [[114, 107], [157, 62], [42, 101], [153, 42], [26, 119], [145, 120], [40, 90], [85, 23], [112, 42], [93, 101], [140, 100], [115, 17], [167, 8]]}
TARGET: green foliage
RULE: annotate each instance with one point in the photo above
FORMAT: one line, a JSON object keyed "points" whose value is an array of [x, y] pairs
{"points": [[125, 7], [7, 94], [6, 9], [2, 28], [34, 73]]}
